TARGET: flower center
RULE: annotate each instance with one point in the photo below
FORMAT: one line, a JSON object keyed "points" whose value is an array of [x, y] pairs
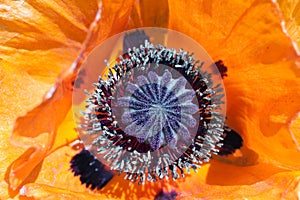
{"points": [[156, 113]]}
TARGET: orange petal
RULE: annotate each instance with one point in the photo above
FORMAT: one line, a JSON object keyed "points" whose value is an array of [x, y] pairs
{"points": [[47, 117], [149, 14], [294, 128], [234, 31], [285, 185], [263, 80], [135, 16], [66, 132], [35, 35], [13, 101], [34, 39], [154, 13], [34, 42], [50, 113], [40, 191], [235, 181], [23, 166], [291, 12], [57, 165], [17, 86], [43, 119], [114, 19]]}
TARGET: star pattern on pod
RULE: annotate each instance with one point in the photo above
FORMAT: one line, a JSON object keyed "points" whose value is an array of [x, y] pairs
{"points": [[158, 108]]}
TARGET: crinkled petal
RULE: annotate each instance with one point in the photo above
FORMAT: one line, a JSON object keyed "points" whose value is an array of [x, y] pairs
{"points": [[67, 24], [36, 34], [262, 89], [291, 12], [263, 83]]}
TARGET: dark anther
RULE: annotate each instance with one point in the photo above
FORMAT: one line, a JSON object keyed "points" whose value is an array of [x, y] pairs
{"points": [[166, 195], [91, 171], [231, 142], [222, 68]]}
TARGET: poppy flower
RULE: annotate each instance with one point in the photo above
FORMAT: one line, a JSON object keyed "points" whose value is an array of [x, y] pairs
{"points": [[44, 44]]}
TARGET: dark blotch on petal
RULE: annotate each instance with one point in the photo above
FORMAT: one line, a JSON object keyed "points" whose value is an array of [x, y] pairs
{"points": [[231, 142], [166, 195], [222, 68], [91, 171], [134, 39], [79, 80]]}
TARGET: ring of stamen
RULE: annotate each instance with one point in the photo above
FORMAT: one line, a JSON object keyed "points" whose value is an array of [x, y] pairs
{"points": [[156, 115]]}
